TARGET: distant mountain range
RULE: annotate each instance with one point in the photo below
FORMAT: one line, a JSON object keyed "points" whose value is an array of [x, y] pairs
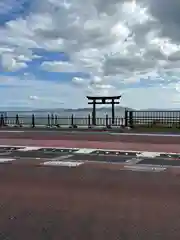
{"points": [[79, 112], [84, 109]]}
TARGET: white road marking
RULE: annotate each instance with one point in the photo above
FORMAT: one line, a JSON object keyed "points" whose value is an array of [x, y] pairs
{"points": [[85, 150], [148, 154], [131, 161], [2, 160], [29, 149], [65, 164], [145, 168], [70, 163]]}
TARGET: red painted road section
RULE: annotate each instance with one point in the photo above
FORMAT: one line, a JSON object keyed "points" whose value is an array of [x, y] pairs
{"points": [[55, 135], [93, 144], [89, 140]]}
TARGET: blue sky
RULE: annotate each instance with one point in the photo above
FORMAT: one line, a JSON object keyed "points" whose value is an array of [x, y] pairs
{"points": [[53, 53]]}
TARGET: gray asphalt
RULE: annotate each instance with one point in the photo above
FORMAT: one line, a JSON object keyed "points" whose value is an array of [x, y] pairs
{"points": [[95, 156]]}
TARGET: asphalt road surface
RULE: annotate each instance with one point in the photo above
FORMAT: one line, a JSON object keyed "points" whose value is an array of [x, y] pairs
{"points": [[139, 142], [89, 193], [40, 155], [97, 200]]}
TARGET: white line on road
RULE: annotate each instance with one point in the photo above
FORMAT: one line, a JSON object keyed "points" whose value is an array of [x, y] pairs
{"points": [[145, 168], [90, 149], [63, 164], [29, 149], [2, 160], [85, 150], [148, 154]]}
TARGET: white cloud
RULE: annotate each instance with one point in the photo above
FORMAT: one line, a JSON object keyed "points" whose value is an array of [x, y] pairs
{"points": [[9, 63], [40, 94], [78, 81], [115, 42], [14, 59], [33, 97], [57, 66], [54, 45]]}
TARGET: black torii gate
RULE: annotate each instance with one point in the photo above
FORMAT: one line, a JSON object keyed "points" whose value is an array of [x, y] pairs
{"points": [[103, 100]]}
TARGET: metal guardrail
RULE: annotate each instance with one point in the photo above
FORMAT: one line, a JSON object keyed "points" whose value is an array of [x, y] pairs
{"points": [[132, 119], [53, 120], [153, 119]]}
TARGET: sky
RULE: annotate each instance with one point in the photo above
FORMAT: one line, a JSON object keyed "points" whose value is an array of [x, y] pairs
{"points": [[53, 53]]}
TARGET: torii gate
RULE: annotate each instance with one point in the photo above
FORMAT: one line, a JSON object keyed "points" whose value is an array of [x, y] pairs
{"points": [[103, 100]]}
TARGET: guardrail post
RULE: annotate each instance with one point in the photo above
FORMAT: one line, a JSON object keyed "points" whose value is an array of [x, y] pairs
{"points": [[17, 121], [126, 118], [89, 121], [5, 119], [49, 121], [52, 120], [33, 121], [107, 120], [131, 125], [72, 120], [56, 121], [178, 124], [2, 121]]}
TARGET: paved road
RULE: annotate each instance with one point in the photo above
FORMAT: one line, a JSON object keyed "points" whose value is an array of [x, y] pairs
{"points": [[91, 136], [103, 141], [42, 156], [92, 200], [87, 203]]}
